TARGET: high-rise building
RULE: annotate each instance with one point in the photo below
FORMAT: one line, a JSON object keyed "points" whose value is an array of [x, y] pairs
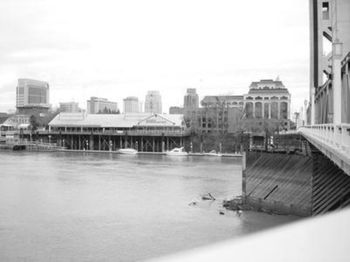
{"points": [[153, 102], [132, 105], [69, 107], [98, 105], [32, 94], [191, 99]]}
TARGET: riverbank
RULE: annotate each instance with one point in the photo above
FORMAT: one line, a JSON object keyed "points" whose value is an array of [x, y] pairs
{"points": [[53, 148], [237, 155]]}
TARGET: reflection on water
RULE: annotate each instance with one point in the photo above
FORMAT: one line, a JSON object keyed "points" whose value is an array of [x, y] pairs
{"points": [[89, 207]]}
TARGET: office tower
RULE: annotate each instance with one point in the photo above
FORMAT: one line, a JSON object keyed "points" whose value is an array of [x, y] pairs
{"points": [[132, 105], [98, 105], [32, 94], [69, 107], [191, 100], [153, 102]]}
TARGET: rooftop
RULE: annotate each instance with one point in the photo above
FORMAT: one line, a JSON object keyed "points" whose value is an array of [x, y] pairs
{"points": [[221, 98], [269, 91], [117, 120], [267, 84], [27, 81]]}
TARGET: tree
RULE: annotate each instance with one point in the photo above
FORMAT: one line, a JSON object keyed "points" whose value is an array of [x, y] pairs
{"points": [[34, 123], [262, 126]]}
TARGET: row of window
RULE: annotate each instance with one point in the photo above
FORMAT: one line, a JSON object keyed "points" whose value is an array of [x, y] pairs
{"points": [[267, 98]]}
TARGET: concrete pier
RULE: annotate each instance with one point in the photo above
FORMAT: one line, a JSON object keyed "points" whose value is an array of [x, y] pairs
{"points": [[303, 183]]}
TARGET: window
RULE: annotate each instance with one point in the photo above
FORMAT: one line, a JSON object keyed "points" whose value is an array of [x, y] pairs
{"points": [[325, 10]]}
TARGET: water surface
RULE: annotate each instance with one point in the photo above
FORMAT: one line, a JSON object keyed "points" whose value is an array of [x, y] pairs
{"points": [[108, 207]]}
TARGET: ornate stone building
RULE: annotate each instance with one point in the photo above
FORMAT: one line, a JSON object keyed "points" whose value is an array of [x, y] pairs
{"points": [[267, 99]]}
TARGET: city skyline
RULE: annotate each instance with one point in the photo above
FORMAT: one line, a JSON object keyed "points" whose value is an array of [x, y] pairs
{"points": [[163, 53]]}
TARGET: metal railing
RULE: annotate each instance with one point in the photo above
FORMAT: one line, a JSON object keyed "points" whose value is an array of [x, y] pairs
{"points": [[104, 133], [334, 136], [122, 133]]}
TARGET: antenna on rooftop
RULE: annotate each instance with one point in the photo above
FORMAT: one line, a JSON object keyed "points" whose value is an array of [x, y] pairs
{"points": [[277, 78]]}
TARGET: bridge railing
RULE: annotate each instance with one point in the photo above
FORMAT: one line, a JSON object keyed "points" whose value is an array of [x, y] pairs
{"points": [[335, 136]]}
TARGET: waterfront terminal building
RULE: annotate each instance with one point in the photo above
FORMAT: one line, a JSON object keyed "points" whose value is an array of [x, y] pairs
{"points": [[145, 132]]}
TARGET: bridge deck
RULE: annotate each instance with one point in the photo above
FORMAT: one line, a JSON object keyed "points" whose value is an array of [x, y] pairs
{"points": [[332, 140]]}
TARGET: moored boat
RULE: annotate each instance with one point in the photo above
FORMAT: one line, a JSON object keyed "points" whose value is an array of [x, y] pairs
{"points": [[212, 153], [127, 151], [177, 151]]}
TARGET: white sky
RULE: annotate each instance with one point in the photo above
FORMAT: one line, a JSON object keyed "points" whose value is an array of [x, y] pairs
{"points": [[114, 49]]}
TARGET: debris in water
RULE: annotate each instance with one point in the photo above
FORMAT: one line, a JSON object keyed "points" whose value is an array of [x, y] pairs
{"points": [[208, 197]]}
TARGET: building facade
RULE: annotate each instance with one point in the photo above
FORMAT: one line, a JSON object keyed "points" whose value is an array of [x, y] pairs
{"points": [[98, 105], [132, 105], [153, 102], [144, 132], [173, 110], [32, 94], [17, 122], [267, 99], [191, 99], [230, 101], [215, 119], [69, 107]]}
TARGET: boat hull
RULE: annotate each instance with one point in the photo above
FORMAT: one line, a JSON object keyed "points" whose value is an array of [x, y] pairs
{"points": [[127, 151], [176, 153]]}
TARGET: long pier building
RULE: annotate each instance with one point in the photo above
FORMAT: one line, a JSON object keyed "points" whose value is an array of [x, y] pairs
{"points": [[145, 132]]}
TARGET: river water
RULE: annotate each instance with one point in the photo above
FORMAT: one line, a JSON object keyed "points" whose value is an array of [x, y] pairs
{"points": [[109, 207]]}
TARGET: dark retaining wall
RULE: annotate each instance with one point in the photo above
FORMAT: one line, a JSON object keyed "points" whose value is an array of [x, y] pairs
{"points": [[297, 184], [279, 183]]}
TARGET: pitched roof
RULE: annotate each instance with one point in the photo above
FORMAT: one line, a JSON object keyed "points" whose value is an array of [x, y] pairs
{"points": [[116, 120]]}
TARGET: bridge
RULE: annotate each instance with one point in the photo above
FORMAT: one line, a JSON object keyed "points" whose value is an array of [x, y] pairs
{"points": [[316, 179], [328, 126]]}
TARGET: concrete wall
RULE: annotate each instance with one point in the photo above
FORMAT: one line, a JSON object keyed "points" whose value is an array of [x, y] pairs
{"points": [[280, 183], [302, 184]]}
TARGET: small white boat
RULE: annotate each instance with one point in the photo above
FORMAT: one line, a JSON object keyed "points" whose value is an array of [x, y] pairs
{"points": [[177, 151], [127, 151], [212, 153]]}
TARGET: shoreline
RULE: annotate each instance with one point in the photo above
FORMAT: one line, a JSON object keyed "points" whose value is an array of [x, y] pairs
{"points": [[9, 147], [146, 153]]}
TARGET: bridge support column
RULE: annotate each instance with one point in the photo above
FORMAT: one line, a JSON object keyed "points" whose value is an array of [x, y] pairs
{"points": [[337, 85], [312, 105], [126, 142], [71, 142], [91, 144]]}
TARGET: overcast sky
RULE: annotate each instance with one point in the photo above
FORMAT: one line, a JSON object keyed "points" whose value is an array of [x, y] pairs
{"points": [[114, 49]]}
